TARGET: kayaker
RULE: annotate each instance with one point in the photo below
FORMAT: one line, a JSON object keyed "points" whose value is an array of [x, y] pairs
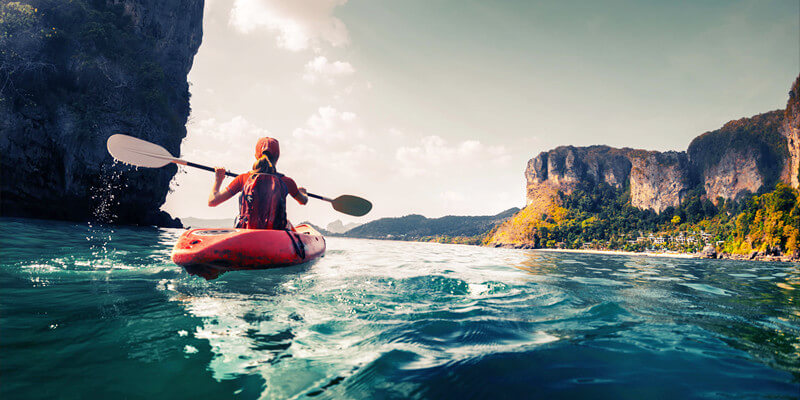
{"points": [[262, 204]]}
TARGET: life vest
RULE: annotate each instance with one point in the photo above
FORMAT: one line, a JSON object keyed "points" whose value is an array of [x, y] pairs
{"points": [[262, 204]]}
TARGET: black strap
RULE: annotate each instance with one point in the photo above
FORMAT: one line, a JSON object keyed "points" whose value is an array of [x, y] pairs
{"points": [[299, 247]]}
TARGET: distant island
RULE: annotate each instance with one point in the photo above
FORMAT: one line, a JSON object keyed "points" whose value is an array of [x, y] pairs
{"points": [[448, 229], [339, 227], [190, 222]]}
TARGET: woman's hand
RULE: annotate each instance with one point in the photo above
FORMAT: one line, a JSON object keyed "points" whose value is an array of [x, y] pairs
{"points": [[219, 173], [302, 195], [216, 196]]}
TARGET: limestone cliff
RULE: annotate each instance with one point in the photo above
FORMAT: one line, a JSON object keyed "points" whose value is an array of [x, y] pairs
{"points": [[659, 180], [74, 73], [790, 129], [568, 166], [736, 173], [744, 156], [740, 157]]}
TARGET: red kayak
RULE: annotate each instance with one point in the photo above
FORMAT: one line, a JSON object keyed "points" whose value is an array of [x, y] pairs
{"points": [[210, 252]]}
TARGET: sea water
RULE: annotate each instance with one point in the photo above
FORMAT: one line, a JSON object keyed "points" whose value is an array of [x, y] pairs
{"points": [[101, 312]]}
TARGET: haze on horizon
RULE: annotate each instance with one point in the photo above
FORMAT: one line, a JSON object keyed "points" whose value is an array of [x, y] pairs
{"points": [[435, 107]]}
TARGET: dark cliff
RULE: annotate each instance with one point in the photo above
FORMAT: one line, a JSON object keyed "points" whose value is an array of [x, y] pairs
{"points": [[74, 73]]}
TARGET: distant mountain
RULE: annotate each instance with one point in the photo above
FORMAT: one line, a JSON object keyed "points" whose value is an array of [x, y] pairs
{"points": [[321, 230], [417, 226], [189, 222], [338, 227]]}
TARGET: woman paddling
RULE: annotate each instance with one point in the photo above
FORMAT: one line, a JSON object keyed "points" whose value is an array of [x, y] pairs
{"points": [[262, 204]]}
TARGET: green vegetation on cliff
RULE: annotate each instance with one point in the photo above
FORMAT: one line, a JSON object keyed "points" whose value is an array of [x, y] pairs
{"points": [[767, 223], [600, 216]]}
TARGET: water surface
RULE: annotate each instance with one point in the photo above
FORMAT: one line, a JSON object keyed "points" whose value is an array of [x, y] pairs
{"points": [[96, 312]]}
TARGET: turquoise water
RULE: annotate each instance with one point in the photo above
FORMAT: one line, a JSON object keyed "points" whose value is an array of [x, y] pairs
{"points": [[99, 312]]}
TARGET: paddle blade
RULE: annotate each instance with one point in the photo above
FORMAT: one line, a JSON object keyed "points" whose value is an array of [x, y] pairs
{"points": [[138, 152], [351, 205]]}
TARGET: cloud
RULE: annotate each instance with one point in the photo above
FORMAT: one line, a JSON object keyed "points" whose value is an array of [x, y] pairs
{"points": [[351, 163], [299, 24], [330, 125], [434, 153], [320, 70], [332, 141]]}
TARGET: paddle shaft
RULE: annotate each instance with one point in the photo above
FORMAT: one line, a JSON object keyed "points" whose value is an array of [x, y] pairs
{"points": [[203, 167], [199, 166]]}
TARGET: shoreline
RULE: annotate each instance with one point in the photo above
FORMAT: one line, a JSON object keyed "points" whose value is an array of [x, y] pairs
{"points": [[699, 256], [626, 253]]}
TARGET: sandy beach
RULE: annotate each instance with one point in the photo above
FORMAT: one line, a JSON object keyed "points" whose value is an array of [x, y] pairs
{"points": [[624, 253]]}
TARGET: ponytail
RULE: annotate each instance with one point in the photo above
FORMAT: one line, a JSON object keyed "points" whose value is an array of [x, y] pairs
{"points": [[264, 165]]}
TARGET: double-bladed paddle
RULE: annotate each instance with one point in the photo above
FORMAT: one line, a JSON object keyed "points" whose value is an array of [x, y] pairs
{"points": [[141, 153]]}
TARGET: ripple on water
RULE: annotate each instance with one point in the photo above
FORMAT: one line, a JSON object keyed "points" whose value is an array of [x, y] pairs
{"points": [[707, 289]]}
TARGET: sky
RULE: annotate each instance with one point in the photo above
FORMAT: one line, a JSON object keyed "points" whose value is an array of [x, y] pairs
{"points": [[434, 107]]}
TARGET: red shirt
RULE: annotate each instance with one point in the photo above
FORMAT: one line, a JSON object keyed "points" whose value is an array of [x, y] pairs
{"points": [[238, 182]]}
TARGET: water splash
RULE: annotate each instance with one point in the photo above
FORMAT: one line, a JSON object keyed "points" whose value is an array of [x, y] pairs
{"points": [[105, 194], [105, 199]]}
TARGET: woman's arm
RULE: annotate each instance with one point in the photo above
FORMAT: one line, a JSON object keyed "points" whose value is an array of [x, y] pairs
{"points": [[216, 197]]}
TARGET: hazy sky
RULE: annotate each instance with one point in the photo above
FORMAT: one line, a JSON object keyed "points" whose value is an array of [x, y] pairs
{"points": [[434, 107]]}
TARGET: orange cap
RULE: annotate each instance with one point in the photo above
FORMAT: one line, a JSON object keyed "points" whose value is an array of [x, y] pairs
{"points": [[269, 145]]}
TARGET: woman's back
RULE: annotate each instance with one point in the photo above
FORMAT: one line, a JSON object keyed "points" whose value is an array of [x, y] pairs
{"points": [[262, 204]]}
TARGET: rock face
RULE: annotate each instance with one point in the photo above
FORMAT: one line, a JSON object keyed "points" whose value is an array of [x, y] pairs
{"points": [[741, 157], [709, 251], [568, 166], [659, 180], [73, 74], [790, 129], [735, 174]]}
